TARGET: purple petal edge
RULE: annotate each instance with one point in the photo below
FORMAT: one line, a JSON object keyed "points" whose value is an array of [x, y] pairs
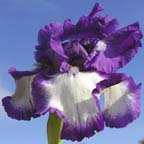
{"points": [[131, 115], [70, 131], [14, 112], [18, 74], [110, 80], [93, 125]]}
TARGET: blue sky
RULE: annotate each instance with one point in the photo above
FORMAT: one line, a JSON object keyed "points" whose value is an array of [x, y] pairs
{"points": [[20, 21]]}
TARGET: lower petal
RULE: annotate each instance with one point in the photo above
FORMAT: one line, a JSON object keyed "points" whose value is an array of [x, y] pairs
{"points": [[70, 96], [87, 121], [19, 106], [122, 100]]}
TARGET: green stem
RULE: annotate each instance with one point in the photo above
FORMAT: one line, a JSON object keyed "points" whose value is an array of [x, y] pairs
{"points": [[54, 127]]}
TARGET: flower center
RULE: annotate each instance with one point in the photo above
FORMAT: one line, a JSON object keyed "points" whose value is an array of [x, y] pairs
{"points": [[74, 70]]}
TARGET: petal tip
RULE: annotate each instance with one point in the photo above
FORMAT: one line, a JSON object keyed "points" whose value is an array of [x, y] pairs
{"points": [[97, 7]]}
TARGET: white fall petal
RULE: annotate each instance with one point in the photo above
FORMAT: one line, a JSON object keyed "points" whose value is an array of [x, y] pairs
{"points": [[20, 104], [70, 95], [122, 103]]}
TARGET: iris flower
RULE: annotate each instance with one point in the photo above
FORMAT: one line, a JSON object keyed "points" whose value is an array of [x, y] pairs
{"points": [[76, 65]]}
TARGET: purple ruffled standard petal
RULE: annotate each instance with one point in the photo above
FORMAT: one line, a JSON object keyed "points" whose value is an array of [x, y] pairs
{"points": [[97, 7], [48, 59], [78, 44], [20, 106], [72, 43], [122, 100], [121, 47], [70, 96], [49, 52], [54, 30]]}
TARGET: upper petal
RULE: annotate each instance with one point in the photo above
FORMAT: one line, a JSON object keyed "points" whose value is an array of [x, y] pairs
{"points": [[121, 47], [97, 7], [50, 50], [49, 31]]}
